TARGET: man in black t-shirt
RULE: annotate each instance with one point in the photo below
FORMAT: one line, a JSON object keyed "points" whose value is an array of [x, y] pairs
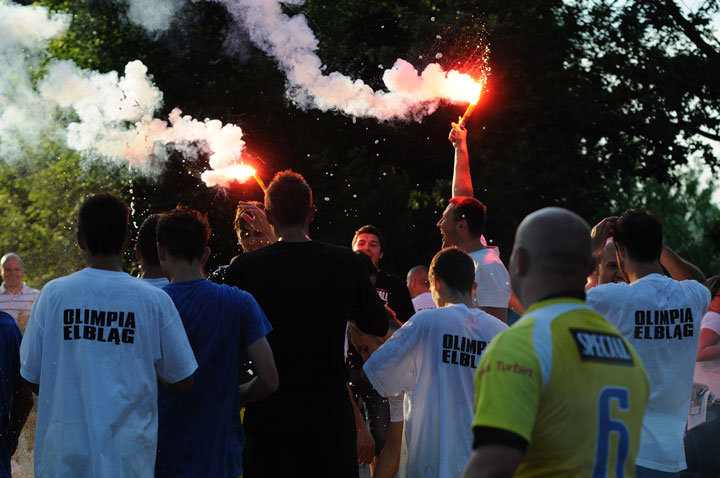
{"points": [[391, 289], [308, 290]]}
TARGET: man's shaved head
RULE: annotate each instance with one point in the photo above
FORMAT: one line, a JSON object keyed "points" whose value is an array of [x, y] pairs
{"points": [[417, 281], [552, 253], [417, 272]]}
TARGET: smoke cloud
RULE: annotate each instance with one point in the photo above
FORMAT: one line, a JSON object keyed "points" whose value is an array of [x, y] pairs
{"points": [[114, 113], [290, 41]]}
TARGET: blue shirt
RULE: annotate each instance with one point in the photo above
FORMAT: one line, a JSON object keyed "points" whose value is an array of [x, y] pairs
{"points": [[200, 433], [10, 380]]}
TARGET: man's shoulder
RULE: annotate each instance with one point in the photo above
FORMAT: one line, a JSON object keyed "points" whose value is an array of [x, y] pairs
{"points": [[7, 322], [27, 290]]}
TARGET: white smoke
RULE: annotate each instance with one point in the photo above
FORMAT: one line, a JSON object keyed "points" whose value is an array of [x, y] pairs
{"points": [[114, 113], [155, 16], [410, 94], [26, 119]]}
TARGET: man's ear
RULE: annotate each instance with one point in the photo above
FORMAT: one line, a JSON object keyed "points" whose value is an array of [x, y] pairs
{"points": [[311, 215], [82, 244], [138, 253], [437, 284], [205, 257], [474, 288], [522, 261]]}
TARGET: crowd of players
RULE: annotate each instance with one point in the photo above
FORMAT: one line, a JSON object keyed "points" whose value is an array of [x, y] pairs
{"points": [[335, 362]]}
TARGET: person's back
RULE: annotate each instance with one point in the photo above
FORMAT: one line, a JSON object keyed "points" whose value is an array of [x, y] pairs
{"points": [[560, 393], [660, 317], [95, 345], [200, 432], [103, 333], [433, 359], [570, 369], [308, 290]]}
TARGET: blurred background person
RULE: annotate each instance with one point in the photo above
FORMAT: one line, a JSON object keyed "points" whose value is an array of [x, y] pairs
{"points": [[16, 298]]}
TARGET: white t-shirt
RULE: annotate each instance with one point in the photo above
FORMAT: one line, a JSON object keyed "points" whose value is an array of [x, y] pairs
{"points": [[423, 301], [708, 372], [96, 342], [492, 278], [660, 317], [433, 359], [158, 282]]}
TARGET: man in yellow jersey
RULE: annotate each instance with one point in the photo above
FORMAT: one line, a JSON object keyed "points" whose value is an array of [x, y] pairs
{"points": [[561, 393]]}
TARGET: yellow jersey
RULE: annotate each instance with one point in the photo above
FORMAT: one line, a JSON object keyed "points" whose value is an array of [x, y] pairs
{"points": [[568, 383]]}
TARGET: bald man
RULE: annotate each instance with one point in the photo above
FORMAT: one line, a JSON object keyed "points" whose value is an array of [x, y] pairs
{"points": [[16, 298], [419, 287], [532, 418]]}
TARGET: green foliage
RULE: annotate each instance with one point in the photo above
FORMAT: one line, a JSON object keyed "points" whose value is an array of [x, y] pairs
{"points": [[586, 100], [38, 207]]}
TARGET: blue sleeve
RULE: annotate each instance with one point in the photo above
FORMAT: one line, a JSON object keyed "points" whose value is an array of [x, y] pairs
{"points": [[11, 338], [255, 324]]}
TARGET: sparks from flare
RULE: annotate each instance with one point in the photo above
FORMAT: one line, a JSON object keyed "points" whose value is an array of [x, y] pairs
{"points": [[472, 92]]}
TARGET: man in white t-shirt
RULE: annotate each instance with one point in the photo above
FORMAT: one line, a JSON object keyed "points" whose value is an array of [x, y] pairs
{"points": [[660, 316], [462, 225], [433, 359], [96, 344], [419, 287]]}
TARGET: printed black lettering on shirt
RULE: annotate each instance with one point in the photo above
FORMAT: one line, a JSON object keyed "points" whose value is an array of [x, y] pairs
{"points": [[595, 346], [99, 326], [462, 351], [671, 324]]}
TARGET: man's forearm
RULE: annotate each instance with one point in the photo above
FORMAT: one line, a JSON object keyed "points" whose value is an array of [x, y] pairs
{"points": [[462, 181], [254, 390], [679, 268]]}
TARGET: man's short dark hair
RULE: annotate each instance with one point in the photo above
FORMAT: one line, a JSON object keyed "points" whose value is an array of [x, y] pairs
{"points": [[103, 222], [472, 211], [146, 240], [288, 199], [239, 223], [455, 268], [640, 233], [184, 233], [370, 229]]}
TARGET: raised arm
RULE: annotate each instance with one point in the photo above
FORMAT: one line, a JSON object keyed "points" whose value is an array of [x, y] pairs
{"points": [[462, 182], [679, 268]]}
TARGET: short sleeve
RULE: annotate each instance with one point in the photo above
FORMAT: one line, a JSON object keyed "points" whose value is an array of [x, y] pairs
{"points": [[391, 368], [256, 324], [504, 398], [702, 294], [711, 320], [493, 285], [32, 342], [396, 407], [601, 299], [177, 360]]}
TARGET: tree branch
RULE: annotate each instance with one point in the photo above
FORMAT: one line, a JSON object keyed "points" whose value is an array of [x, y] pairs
{"points": [[708, 134], [690, 31]]}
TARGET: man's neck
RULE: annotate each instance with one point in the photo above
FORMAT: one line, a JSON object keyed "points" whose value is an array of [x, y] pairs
{"points": [[180, 270], [13, 290], [637, 270], [471, 244], [104, 262], [455, 299], [151, 272], [292, 234]]}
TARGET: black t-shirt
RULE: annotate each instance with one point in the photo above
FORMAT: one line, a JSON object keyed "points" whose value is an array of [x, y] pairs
{"points": [[309, 290], [393, 291]]}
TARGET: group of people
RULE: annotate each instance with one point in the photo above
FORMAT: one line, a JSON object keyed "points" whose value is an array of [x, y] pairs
{"points": [[334, 361]]}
